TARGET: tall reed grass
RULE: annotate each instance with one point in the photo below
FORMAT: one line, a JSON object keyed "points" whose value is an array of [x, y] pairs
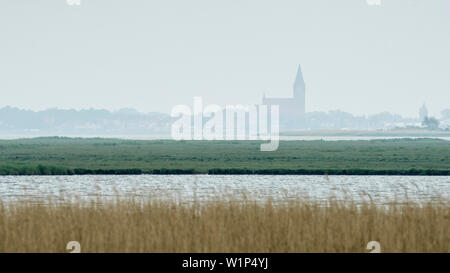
{"points": [[223, 225]]}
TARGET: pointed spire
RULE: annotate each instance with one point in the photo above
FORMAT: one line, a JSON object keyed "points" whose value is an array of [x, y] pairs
{"points": [[299, 77]]}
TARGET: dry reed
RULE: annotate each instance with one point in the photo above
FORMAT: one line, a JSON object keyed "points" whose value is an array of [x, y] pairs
{"points": [[223, 226]]}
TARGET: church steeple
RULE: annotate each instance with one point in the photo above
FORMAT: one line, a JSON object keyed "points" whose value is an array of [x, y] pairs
{"points": [[291, 109], [299, 84], [299, 77]]}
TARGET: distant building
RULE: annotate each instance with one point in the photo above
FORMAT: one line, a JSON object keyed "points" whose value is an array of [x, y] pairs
{"points": [[423, 112], [291, 109]]}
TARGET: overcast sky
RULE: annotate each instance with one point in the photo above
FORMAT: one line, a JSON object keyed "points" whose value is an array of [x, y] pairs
{"points": [[152, 55]]}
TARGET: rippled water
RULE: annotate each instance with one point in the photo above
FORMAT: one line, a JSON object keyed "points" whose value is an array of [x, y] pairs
{"points": [[206, 187]]}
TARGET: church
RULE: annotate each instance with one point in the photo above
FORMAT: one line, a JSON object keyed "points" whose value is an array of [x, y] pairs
{"points": [[291, 109]]}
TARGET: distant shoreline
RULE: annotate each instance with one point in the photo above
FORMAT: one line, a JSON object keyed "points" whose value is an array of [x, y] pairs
{"points": [[284, 135], [404, 133]]}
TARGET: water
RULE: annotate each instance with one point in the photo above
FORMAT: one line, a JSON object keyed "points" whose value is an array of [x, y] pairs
{"points": [[348, 138], [205, 187], [282, 137]]}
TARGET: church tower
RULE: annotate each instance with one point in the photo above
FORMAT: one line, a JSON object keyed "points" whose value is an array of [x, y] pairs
{"points": [[300, 91], [292, 110]]}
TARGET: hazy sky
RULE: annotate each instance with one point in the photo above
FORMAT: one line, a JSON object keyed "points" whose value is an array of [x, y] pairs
{"points": [[152, 55]]}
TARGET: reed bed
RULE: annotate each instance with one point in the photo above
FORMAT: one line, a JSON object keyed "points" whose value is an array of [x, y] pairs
{"points": [[223, 225]]}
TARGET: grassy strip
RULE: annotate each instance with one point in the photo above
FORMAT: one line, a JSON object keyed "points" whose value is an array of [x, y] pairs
{"points": [[68, 156]]}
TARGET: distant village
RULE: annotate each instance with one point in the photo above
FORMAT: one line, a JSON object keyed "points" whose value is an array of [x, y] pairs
{"points": [[128, 122], [294, 117]]}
